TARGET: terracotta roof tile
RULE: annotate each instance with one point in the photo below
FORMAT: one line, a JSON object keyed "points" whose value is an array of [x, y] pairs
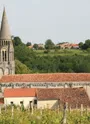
{"points": [[48, 77], [71, 95], [20, 92]]}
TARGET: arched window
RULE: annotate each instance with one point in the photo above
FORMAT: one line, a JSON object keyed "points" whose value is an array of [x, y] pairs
{"points": [[4, 55]]}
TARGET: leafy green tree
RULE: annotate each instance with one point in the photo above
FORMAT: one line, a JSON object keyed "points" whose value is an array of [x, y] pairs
{"points": [[81, 45], [28, 44], [35, 46], [23, 53], [86, 45], [17, 41], [49, 44], [21, 68], [87, 42]]}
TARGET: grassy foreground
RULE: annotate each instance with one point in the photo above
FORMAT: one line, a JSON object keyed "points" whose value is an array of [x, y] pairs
{"points": [[43, 117]]}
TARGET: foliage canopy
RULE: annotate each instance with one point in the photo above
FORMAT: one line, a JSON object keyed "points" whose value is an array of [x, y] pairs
{"points": [[56, 63]]}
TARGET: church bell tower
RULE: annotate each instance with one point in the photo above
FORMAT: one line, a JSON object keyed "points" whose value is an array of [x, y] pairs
{"points": [[7, 63]]}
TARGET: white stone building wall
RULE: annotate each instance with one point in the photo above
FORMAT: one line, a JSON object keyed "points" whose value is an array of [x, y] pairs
{"points": [[51, 104], [17, 100]]}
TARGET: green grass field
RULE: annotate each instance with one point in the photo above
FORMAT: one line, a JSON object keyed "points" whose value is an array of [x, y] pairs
{"points": [[62, 52]]}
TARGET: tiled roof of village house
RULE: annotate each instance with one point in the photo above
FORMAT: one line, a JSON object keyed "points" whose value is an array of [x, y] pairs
{"points": [[20, 92], [74, 96], [48, 77]]}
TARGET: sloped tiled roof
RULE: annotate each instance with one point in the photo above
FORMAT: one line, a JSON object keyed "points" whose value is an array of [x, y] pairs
{"points": [[20, 92], [74, 96], [47, 77]]}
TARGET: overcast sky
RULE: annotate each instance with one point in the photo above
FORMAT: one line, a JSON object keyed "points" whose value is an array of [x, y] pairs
{"points": [[39, 20]]}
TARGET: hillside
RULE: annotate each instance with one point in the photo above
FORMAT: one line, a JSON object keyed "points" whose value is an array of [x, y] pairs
{"points": [[44, 61]]}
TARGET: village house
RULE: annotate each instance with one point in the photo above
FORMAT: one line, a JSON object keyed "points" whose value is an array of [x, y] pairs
{"points": [[20, 96], [67, 45], [74, 46]]}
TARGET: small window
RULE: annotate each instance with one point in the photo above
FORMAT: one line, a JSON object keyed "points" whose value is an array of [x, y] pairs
{"points": [[21, 102], [30, 101], [35, 101], [5, 56], [11, 103]]}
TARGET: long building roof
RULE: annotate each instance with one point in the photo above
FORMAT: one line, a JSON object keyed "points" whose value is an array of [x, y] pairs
{"points": [[46, 77]]}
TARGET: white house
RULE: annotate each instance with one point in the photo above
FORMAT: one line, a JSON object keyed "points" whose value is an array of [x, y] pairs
{"points": [[19, 96]]}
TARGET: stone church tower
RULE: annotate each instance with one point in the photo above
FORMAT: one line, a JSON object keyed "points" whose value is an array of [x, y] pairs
{"points": [[7, 64]]}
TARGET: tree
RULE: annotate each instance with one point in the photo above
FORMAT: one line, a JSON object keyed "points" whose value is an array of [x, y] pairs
{"points": [[86, 45], [35, 46], [17, 41], [87, 42], [81, 45], [23, 53], [21, 68], [49, 44], [28, 44]]}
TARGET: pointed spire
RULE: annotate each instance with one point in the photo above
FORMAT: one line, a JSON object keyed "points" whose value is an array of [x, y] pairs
{"points": [[5, 32]]}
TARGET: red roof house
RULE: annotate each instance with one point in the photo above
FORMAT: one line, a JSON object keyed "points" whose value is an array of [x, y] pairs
{"points": [[20, 92], [19, 96]]}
